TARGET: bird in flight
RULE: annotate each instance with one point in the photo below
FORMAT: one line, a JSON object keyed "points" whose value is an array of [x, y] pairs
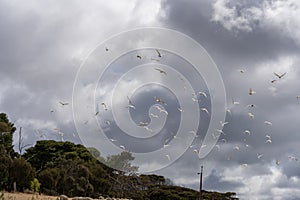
{"points": [[242, 71], [161, 71], [247, 132], [235, 102], [273, 81], [143, 124], [138, 56], [180, 109], [106, 49], [269, 141], [251, 91], [259, 156], [203, 93], [130, 104], [251, 115], [268, 123], [104, 105], [153, 115], [280, 75], [205, 110], [236, 148], [64, 104], [160, 100], [161, 110], [223, 123], [158, 53], [168, 157], [251, 106]]}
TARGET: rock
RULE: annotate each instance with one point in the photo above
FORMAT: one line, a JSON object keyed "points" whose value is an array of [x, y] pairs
{"points": [[63, 197]]}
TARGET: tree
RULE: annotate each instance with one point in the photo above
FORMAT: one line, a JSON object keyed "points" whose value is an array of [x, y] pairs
{"points": [[5, 162], [6, 134], [121, 162], [96, 154], [35, 185], [21, 172]]}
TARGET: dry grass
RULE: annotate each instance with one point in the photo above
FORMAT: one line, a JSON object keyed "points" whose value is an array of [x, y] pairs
{"points": [[22, 196]]}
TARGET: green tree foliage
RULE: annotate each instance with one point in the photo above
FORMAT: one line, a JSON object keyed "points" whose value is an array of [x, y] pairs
{"points": [[96, 154], [21, 172], [67, 168], [5, 162], [6, 134], [35, 185], [121, 162]]}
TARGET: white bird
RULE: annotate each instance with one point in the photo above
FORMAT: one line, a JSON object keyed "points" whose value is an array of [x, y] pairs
{"points": [[259, 156], [251, 106], [247, 132], [220, 131], [269, 141], [161, 71], [250, 115], [268, 137], [122, 147], [160, 100], [143, 124], [168, 157], [193, 132], [268, 123], [195, 99], [166, 145], [205, 110], [223, 140], [223, 123], [180, 109], [130, 104], [158, 53], [64, 104], [148, 129], [251, 91], [245, 165], [161, 110], [235, 102], [236, 148], [203, 93], [228, 110], [153, 115], [112, 140], [104, 106]]}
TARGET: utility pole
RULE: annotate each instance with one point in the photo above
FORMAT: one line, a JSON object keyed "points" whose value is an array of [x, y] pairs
{"points": [[200, 189]]}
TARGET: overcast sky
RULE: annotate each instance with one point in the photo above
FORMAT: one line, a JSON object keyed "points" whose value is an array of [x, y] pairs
{"points": [[44, 43]]}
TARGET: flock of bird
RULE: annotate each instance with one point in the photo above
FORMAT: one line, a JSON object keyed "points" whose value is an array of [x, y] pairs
{"points": [[195, 98]]}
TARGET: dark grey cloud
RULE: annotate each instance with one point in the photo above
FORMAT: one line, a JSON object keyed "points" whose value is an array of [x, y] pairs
{"points": [[44, 43]]}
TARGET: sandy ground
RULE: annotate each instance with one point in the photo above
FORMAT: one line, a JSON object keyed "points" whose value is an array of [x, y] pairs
{"points": [[22, 196]]}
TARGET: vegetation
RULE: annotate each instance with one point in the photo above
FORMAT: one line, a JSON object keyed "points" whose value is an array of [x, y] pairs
{"points": [[54, 168]]}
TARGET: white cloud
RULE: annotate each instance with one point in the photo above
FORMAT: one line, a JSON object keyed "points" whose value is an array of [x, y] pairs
{"points": [[280, 15]]}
